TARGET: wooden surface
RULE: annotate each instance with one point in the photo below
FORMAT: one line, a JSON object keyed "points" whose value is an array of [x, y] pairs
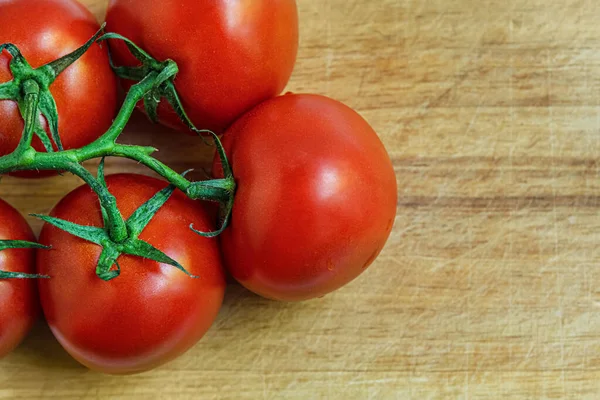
{"points": [[489, 286]]}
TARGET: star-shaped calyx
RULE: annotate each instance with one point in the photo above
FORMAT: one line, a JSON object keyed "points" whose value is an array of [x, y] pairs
{"points": [[108, 267], [28, 80]]}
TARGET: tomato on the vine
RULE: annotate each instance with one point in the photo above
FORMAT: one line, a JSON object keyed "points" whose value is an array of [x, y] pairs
{"points": [[316, 197], [152, 312], [19, 305], [232, 55], [85, 93]]}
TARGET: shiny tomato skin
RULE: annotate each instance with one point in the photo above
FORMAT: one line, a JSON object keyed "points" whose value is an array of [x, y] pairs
{"points": [[151, 313], [85, 93], [19, 305], [316, 197], [232, 54]]}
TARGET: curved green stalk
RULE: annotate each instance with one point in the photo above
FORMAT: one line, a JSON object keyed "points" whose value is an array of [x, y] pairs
{"points": [[30, 88]]}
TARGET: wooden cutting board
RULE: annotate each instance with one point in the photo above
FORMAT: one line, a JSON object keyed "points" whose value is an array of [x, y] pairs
{"points": [[488, 287]]}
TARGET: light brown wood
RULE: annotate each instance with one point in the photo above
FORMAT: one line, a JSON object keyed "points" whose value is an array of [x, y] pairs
{"points": [[488, 287]]}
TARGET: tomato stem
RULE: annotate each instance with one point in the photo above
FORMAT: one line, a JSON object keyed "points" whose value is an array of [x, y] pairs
{"points": [[30, 88], [32, 96]]}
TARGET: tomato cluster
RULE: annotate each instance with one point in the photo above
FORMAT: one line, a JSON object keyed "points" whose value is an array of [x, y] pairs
{"points": [[316, 190]]}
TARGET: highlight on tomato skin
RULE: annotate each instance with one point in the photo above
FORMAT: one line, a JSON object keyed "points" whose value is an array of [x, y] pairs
{"points": [[316, 208], [85, 93], [19, 307], [152, 313], [232, 55]]}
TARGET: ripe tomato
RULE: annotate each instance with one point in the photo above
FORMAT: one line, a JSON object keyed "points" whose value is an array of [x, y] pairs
{"points": [[85, 93], [152, 312], [232, 54], [18, 297], [316, 197]]}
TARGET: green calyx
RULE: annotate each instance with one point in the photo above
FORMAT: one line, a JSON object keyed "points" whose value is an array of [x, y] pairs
{"points": [[20, 244], [108, 267], [28, 81], [164, 88], [30, 88], [221, 190]]}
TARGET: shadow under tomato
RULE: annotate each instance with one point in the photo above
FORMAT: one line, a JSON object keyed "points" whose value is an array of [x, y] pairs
{"points": [[41, 349], [242, 309]]}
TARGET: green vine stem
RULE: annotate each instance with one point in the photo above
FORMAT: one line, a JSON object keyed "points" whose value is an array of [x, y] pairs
{"points": [[31, 89]]}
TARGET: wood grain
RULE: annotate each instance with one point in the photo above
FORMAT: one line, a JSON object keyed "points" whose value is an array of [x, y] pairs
{"points": [[488, 287]]}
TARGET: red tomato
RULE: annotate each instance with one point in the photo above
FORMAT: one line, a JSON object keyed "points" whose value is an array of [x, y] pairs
{"points": [[18, 297], [316, 197], [152, 312], [85, 93], [232, 54]]}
